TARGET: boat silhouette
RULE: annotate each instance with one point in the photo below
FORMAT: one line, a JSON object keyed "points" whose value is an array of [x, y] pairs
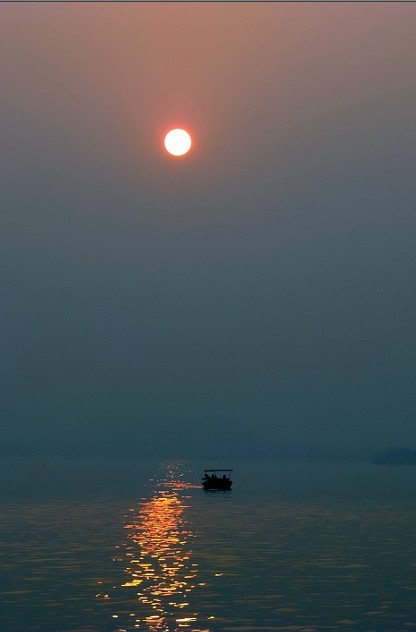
{"points": [[219, 478]]}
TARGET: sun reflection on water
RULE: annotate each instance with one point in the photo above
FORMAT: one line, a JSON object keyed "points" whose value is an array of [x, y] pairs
{"points": [[158, 558]]}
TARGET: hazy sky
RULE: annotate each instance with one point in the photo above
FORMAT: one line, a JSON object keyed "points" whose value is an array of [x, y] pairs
{"points": [[257, 296]]}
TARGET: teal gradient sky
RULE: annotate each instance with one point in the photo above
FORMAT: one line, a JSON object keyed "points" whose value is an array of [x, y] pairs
{"points": [[256, 297]]}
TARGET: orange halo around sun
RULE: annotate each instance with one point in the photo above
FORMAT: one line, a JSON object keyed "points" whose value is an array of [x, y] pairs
{"points": [[177, 142]]}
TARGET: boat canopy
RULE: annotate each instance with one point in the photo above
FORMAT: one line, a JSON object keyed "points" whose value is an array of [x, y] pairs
{"points": [[219, 469]]}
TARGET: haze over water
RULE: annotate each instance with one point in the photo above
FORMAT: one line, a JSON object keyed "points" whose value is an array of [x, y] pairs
{"points": [[285, 550], [253, 300], [256, 297]]}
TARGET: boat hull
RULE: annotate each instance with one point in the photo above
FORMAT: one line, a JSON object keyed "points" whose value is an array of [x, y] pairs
{"points": [[218, 484]]}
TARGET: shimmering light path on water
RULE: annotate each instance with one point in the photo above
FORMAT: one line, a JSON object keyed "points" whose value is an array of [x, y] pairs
{"points": [[157, 555], [174, 558]]}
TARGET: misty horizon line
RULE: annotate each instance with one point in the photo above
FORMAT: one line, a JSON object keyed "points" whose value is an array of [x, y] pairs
{"points": [[301, 454]]}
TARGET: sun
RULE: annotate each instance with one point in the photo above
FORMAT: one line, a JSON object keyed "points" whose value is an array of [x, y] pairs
{"points": [[178, 142]]}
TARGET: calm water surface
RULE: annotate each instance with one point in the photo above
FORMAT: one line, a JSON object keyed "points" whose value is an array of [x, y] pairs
{"points": [[112, 547]]}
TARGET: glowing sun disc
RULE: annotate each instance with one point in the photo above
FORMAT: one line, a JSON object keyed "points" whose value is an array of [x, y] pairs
{"points": [[178, 142]]}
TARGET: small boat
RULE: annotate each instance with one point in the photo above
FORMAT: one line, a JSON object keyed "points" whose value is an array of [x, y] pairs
{"points": [[217, 479]]}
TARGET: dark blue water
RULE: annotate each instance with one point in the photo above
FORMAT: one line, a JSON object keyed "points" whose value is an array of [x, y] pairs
{"points": [[126, 546]]}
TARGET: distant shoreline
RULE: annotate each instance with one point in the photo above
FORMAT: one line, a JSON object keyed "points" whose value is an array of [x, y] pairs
{"points": [[401, 456]]}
